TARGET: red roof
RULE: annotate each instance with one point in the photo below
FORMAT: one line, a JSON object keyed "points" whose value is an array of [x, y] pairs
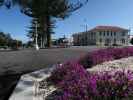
{"points": [[108, 28]]}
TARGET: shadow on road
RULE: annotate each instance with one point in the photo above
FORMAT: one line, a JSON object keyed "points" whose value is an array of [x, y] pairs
{"points": [[8, 83]]}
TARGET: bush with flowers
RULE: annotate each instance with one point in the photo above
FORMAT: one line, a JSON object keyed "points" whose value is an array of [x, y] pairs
{"points": [[102, 55], [75, 83]]}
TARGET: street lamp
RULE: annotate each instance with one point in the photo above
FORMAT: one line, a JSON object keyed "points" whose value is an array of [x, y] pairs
{"points": [[36, 36]]}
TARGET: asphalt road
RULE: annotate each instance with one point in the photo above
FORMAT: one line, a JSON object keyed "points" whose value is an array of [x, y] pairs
{"points": [[29, 60]]}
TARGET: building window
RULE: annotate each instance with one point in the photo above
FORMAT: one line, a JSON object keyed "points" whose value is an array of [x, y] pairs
{"points": [[123, 34], [100, 33], [123, 41], [114, 41], [114, 33], [100, 40], [111, 33], [92, 34], [104, 33], [107, 33], [107, 42]]}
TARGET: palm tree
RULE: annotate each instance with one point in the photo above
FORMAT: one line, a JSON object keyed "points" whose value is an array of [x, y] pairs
{"points": [[47, 10]]}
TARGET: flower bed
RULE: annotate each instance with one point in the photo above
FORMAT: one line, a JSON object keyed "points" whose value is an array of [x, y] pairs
{"points": [[63, 71], [102, 55], [78, 84]]}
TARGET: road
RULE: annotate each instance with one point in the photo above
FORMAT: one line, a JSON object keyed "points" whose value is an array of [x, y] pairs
{"points": [[24, 61]]}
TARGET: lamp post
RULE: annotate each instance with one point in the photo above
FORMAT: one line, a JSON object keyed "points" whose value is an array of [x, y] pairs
{"points": [[36, 36]]}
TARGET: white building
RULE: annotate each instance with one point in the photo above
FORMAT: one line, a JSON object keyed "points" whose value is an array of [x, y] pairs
{"points": [[102, 36]]}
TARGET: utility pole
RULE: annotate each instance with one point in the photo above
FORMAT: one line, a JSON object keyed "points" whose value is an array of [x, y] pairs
{"points": [[85, 25], [36, 36], [86, 29]]}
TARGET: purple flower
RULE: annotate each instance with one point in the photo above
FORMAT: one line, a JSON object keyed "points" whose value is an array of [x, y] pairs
{"points": [[102, 55], [80, 85]]}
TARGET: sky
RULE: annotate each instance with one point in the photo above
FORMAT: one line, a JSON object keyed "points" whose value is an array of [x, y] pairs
{"points": [[94, 13]]}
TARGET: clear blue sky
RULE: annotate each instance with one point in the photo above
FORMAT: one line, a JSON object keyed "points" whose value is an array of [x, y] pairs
{"points": [[96, 12]]}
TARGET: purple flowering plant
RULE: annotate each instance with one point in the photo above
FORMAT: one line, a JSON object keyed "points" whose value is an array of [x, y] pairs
{"points": [[102, 55], [98, 86], [61, 71], [75, 83]]}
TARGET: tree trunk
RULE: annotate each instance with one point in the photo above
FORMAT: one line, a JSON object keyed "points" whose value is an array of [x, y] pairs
{"points": [[41, 42], [44, 40], [48, 40], [48, 31]]}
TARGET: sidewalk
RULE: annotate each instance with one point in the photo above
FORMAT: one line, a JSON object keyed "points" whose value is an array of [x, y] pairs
{"points": [[27, 86]]}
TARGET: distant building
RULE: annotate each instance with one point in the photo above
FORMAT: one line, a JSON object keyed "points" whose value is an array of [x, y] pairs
{"points": [[62, 42], [102, 36]]}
